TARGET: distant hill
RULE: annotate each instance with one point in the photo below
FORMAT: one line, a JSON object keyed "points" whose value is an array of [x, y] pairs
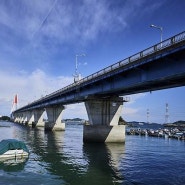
{"points": [[144, 124], [74, 120], [155, 125], [179, 123]]}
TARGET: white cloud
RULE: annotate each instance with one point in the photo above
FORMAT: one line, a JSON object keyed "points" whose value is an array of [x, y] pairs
{"points": [[66, 20], [129, 111], [37, 27], [75, 111], [40, 31], [28, 86], [31, 86], [133, 98]]}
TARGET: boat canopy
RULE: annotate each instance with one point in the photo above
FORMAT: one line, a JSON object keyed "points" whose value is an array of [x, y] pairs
{"points": [[11, 144]]}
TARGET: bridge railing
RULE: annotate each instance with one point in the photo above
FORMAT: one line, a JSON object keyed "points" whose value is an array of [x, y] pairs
{"points": [[149, 51]]}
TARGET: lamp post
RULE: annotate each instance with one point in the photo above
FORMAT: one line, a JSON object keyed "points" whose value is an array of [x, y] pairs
{"points": [[161, 31], [77, 75]]}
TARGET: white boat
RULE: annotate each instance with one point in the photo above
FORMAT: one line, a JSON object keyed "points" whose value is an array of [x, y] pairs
{"points": [[13, 149]]}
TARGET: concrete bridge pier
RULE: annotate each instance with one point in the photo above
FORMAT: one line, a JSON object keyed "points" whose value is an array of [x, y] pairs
{"points": [[103, 121], [54, 114], [30, 118], [16, 118], [21, 120], [24, 118], [38, 118]]}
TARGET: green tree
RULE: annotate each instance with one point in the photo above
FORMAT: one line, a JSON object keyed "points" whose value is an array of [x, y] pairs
{"points": [[121, 121], [5, 118]]}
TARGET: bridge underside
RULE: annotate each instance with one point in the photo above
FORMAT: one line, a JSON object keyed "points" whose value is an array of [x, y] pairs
{"points": [[165, 69], [158, 72], [153, 69], [103, 116]]}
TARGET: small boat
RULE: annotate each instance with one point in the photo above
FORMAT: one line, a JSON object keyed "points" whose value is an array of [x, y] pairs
{"points": [[13, 149]]}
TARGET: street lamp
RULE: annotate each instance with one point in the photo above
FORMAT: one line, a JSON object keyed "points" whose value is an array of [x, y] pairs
{"points": [[161, 30], [77, 75]]}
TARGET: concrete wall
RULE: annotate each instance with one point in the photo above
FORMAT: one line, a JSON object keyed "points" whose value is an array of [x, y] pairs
{"points": [[100, 133]]}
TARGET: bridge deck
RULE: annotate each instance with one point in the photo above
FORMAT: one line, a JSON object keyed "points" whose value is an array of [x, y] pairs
{"points": [[145, 71]]}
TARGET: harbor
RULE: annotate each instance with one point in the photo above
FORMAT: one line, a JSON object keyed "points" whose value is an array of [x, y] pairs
{"points": [[174, 133]]}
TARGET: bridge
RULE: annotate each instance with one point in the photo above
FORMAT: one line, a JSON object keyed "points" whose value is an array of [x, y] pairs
{"points": [[158, 67]]}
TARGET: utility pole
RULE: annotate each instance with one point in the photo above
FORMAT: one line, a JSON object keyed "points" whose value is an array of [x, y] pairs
{"points": [[167, 114], [148, 115], [77, 75]]}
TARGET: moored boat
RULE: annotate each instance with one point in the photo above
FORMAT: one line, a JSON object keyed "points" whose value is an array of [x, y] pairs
{"points": [[12, 148]]}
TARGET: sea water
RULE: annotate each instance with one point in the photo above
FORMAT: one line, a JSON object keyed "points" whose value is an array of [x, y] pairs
{"points": [[61, 158]]}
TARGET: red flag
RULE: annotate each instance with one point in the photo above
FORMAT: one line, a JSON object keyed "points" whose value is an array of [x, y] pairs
{"points": [[15, 99]]}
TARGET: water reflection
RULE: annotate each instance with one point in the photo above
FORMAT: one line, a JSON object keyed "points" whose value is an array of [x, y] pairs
{"points": [[103, 162], [61, 158], [12, 165], [75, 164], [64, 159]]}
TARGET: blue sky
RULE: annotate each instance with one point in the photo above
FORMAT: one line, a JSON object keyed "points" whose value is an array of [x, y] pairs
{"points": [[40, 38]]}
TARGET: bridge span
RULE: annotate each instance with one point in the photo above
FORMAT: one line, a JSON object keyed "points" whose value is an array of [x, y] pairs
{"points": [[158, 67]]}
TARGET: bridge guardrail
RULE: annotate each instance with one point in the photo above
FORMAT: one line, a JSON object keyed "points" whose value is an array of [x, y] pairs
{"points": [[151, 50], [137, 56]]}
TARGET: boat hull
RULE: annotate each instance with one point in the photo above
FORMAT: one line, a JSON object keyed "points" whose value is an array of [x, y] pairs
{"points": [[14, 154]]}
